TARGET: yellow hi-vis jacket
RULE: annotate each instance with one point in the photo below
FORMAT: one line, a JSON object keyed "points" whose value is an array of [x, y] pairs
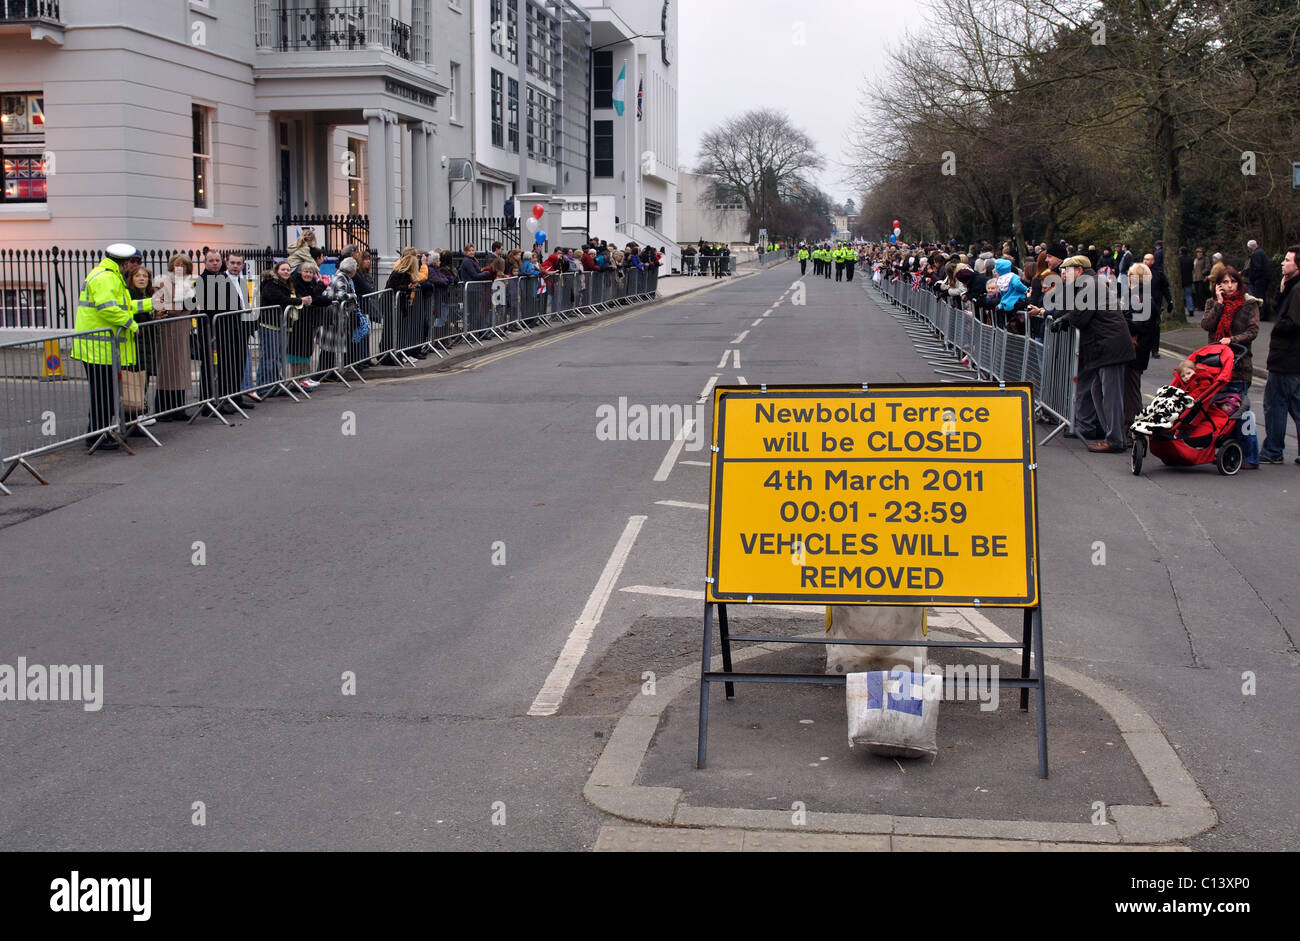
{"points": [[105, 304], [803, 254]]}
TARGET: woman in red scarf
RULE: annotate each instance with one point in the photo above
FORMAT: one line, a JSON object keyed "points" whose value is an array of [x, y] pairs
{"points": [[1233, 317]]}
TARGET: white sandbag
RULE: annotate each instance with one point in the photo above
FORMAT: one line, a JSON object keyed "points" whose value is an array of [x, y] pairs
{"points": [[873, 622], [891, 714]]}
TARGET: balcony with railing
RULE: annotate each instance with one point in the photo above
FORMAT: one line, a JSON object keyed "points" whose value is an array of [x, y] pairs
{"points": [[301, 26], [38, 18]]}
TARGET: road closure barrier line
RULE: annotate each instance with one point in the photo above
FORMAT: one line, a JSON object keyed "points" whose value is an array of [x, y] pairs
{"points": [[548, 700]]}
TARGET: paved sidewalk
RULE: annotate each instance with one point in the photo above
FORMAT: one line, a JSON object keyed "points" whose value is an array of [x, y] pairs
{"points": [[630, 839]]}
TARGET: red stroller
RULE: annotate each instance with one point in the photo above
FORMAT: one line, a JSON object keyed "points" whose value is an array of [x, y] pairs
{"points": [[1193, 420]]}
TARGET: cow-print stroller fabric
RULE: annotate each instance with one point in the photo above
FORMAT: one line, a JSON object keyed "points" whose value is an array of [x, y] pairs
{"points": [[1163, 411]]}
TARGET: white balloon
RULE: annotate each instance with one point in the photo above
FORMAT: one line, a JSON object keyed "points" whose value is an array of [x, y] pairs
{"points": [[531, 225], [897, 230]]}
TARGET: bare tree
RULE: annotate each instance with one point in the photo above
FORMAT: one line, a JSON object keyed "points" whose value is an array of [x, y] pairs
{"points": [[1147, 80], [761, 157], [1093, 112]]}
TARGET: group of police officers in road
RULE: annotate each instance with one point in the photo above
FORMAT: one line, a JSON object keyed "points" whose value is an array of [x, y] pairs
{"points": [[827, 257]]}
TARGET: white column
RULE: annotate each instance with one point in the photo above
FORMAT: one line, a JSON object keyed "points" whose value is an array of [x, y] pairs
{"points": [[394, 178], [262, 23], [428, 31], [420, 234], [439, 191], [267, 154], [377, 24], [377, 179], [419, 52]]}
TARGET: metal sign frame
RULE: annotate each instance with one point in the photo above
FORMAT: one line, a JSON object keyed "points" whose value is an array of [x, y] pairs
{"points": [[1032, 663]]}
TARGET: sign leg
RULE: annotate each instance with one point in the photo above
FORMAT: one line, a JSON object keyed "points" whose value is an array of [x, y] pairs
{"points": [[706, 657], [725, 637], [1026, 641], [1041, 670]]}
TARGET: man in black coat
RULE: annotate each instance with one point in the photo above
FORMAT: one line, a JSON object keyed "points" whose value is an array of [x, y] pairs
{"points": [[1105, 349], [1162, 300], [1185, 264], [1124, 259], [215, 294], [1056, 253], [1257, 274], [1282, 391]]}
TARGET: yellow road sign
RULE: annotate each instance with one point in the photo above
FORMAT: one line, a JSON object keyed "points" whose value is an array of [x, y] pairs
{"points": [[52, 365], [900, 494]]}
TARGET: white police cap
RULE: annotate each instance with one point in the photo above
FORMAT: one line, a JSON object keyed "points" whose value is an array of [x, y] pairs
{"points": [[120, 251]]}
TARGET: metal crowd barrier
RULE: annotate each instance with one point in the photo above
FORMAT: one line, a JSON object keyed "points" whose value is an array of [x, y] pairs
{"points": [[191, 364], [991, 352], [709, 266], [380, 308], [47, 401]]}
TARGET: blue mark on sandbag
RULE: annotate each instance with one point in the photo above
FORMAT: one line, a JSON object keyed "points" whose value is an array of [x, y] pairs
{"points": [[907, 699]]}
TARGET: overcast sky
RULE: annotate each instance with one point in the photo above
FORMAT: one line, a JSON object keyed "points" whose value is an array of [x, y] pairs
{"points": [[740, 54]]}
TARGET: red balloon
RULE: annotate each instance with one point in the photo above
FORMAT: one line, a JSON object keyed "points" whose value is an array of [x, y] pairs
{"points": [[897, 224], [538, 209]]}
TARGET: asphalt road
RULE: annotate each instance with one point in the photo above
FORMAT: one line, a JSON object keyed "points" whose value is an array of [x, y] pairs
{"points": [[443, 553]]}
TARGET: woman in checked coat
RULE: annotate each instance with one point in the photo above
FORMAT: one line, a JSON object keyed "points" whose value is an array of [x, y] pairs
{"points": [[173, 304]]}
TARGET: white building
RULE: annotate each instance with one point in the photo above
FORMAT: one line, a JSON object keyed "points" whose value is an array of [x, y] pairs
{"points": [[700, 215], [634, 154], [179, 125], [220, 116]]}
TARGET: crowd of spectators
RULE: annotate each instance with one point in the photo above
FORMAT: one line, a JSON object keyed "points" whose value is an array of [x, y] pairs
{"points": [[310, 314], [1120, 330]]}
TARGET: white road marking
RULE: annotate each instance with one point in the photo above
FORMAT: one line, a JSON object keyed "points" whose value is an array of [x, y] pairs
{"points": [[741, 338], [679, 503], [675, 449], [665, 592], [735, 356], [767, 313], [722, 363], [553, 690], [740, 380], [708, 387], [697, 463], [979, 624], [757, 322], [689, 595]]}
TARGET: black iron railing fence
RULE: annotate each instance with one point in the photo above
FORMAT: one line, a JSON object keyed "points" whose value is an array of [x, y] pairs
{"points": [[338, 27], [482, 232], [29, 10], [338, 231], [39, 287]]}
